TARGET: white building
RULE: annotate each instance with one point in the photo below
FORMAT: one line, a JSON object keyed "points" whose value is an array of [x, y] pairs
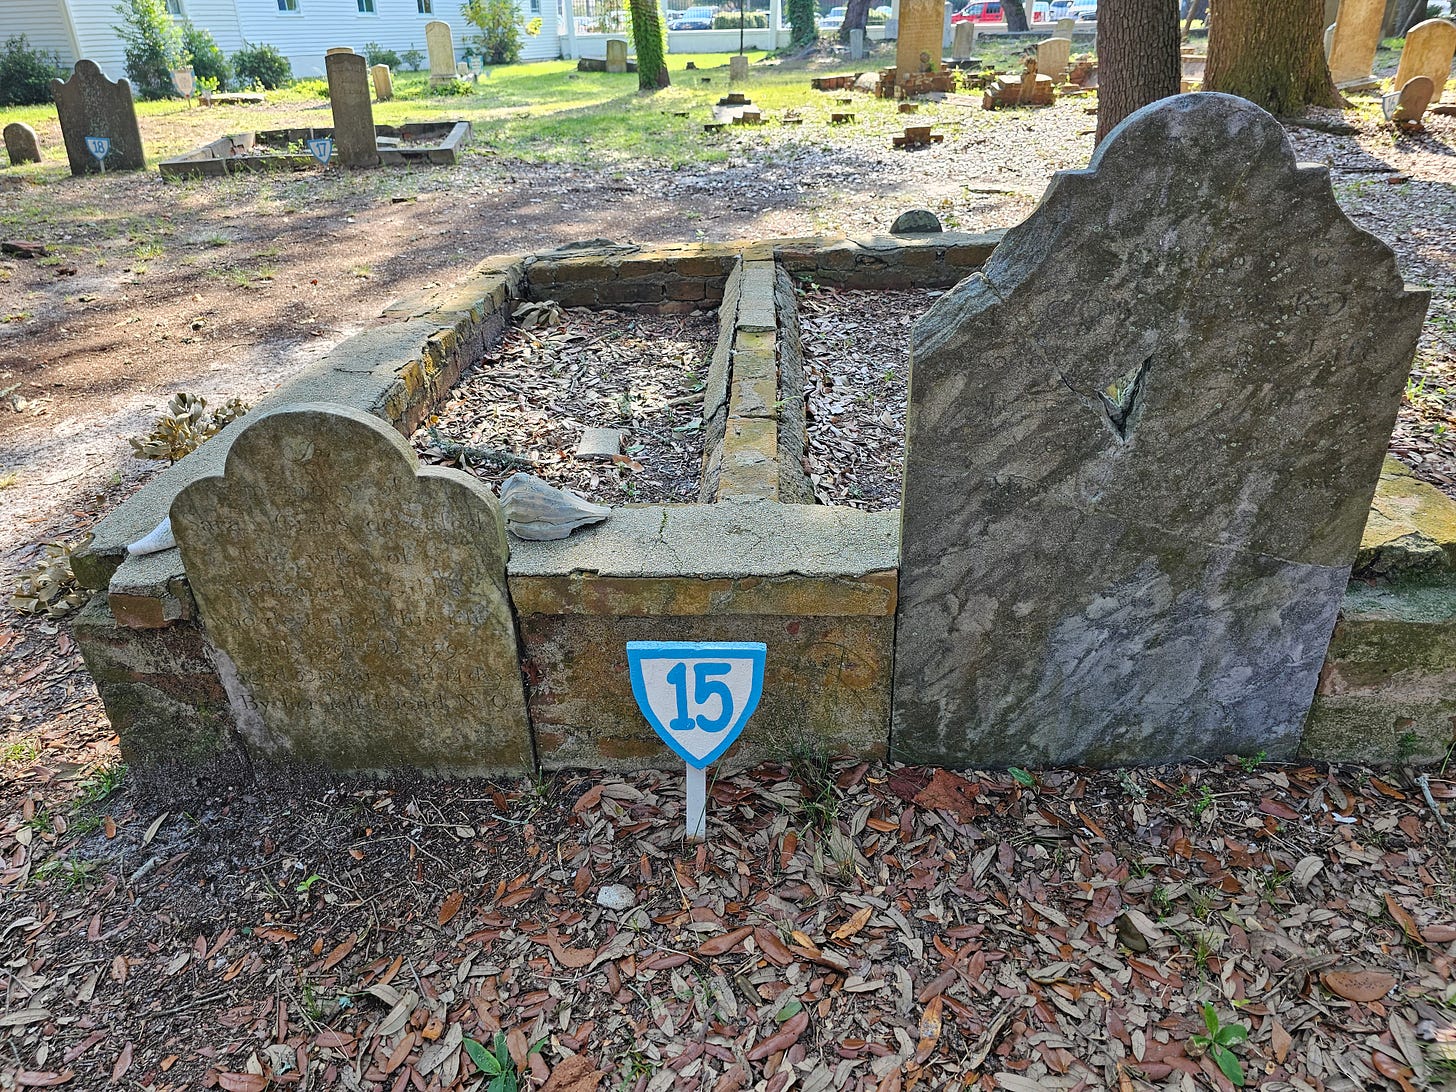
{"points": [[301, 29]]}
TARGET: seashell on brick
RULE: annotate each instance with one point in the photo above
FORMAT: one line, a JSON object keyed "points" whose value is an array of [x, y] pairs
{"points": [[540, 512]]}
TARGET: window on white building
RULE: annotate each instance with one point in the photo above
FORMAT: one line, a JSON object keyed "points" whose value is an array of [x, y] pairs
{"points": [[174, 7], [427, 7], [288, 5], [535, 7], [366, 7]]}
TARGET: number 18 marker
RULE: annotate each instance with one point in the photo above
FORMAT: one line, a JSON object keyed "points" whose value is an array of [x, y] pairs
{"points": [[697, 696]]}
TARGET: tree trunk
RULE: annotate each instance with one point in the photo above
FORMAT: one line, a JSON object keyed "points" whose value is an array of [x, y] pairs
{"points": [[651, 39], [856, 13], [1137, 57], [1271, 52], [1408, 14], [1015, 15]]}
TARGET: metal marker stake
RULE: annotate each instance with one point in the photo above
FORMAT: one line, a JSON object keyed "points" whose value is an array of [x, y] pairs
{"points": [[697, 814]]}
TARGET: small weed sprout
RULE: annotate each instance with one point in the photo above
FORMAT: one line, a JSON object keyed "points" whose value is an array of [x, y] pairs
{"points": [[1219, 1040]]}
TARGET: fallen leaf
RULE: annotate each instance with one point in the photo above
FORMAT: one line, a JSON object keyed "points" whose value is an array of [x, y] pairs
{"points": [[337, 955], [1365, 984], [1281, 1041], [1403, 918], [451, 906], [952, 793], [574, 1074], [854, 924], [780, 1040], [241, 1082], [724, 944]]}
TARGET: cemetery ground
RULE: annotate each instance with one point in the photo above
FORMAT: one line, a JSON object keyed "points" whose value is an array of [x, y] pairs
{"points": [[846, 925]]}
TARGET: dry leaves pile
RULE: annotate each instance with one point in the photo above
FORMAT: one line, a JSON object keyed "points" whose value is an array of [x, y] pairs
{"points": [[856, 361], [534, 394], [847, 927]]}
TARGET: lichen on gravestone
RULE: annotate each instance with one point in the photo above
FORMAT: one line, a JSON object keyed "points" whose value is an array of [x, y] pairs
{"points": [[1132, 545]]}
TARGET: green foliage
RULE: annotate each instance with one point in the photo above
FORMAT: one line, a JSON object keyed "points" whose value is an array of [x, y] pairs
{"points": [[500, 27], [153, 46], [208, 62], [374, 54], [1217, 1042], [413, 59], [25, 74], [496, 1063], [451, 87], [649, 35], [876, 19], [801, 19], [1021, 777], [262, 66], [729, 20]]}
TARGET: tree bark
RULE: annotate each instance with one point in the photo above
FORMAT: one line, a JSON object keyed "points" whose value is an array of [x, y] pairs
{"points": [[856, 14], [651, 40], [1137, 57], [1271, 52], [1015, 14]]}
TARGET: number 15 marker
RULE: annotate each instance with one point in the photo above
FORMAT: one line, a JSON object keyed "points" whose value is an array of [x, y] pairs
{"points": [[697, 696]]}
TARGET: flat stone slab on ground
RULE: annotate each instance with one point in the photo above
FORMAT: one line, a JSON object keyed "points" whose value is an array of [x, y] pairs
{"points": [[599, 443], [1136, 482]]}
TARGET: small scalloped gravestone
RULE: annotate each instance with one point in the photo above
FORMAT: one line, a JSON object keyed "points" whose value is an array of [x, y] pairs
{"points": [[21, 144], [358, 602], [90, 105], [1142, 445]]}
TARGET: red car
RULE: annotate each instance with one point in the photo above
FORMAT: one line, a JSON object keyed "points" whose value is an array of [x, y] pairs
{"points": [[989, 11]]}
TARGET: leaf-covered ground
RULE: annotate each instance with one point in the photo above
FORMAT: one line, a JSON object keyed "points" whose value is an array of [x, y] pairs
{"points": [[845, 926]]}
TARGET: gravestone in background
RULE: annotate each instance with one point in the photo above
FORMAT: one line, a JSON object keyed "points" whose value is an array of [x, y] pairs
{"points": [[21, 144], [856, 44], [737, 68], [616, 55], [355, 142], [963, 44], [1053, 56], [918, 49], [1329, 41], [441, 47], [1135, 481], [357, 600], [1065, 27], [90, 105], [383, 82], [1429, 49], [1357, 34]]}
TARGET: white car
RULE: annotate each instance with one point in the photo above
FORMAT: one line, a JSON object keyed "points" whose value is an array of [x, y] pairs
{"points": [[834, 20]]}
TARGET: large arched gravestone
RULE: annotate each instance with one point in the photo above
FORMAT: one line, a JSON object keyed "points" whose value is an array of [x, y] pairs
{"points": [[90, 105], [1142, 444], [358, 603]]}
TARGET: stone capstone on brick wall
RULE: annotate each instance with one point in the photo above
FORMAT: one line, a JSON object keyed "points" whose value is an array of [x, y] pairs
{"points": [[1136, 481], [358, 603]]}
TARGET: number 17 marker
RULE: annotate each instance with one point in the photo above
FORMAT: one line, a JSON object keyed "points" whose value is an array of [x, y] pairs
{"points": [[697, 696]]}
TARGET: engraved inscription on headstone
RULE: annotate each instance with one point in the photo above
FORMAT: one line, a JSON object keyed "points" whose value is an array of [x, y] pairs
{"points": [[1132, 545], [357, 601], [90, 105]]}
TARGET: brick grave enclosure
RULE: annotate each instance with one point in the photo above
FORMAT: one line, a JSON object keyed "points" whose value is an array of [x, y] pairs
{"points": [[755, 559]]}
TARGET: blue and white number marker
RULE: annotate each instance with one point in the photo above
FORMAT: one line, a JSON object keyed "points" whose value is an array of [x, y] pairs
{"points": [[697, 696], [321, 148], [100, 148]]}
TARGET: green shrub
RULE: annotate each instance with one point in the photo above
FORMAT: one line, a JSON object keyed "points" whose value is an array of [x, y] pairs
{"points": [[413, 59], [801, 18], [25, 74], [753, 20], [500, 26], [374, 54], [207, 61], [449, 87], [153, 46], [262, 66], [875, 19]]}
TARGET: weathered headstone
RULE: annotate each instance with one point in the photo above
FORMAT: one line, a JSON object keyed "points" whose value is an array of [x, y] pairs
{"points": [[737, 68], [1132, 545], [1329, 41], [1429, 49], [184, 82], [21, 144], [90, 105], [337, 50], [856, 44], [383, 82], [358, 602], [1407, 106], [1357, 34], [1065, 27], [616, 55], [1053, 55], [354, 138], [963, 43], [441, 47], [947, 28], [918, 49]]}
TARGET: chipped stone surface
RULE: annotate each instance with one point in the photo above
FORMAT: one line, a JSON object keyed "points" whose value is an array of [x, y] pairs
{"points": [[1136, 482], [358, 604]]}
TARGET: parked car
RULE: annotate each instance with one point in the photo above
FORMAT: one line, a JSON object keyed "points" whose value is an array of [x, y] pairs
{"points": [[989, 11], [698, 18], [834, 20]]}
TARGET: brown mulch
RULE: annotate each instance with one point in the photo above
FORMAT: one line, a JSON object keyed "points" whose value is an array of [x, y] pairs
{"points": [[533, 395], [846, 926], [856, 364]]}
